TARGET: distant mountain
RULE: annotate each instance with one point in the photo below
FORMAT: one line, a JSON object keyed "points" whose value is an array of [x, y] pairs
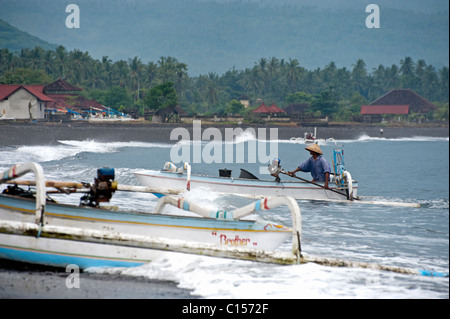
{"points": [[217, 35], [14, 39]]}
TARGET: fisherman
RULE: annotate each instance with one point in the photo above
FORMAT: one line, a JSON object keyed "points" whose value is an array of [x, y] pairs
{"points": [[316, 164]]}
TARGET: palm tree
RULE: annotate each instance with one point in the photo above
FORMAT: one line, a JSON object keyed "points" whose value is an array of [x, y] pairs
{"points": [[136, 67], [170, 70], [293, 74], [120, 71], [359, 77], [60, 60], [78, 66], [310, 81], [6, 61], [408, 78], [443, 87], [252, 81], [97, 78], [107, 70], [48, 61], [150, 73], [212, 89], [35, 58], [392, 78]]}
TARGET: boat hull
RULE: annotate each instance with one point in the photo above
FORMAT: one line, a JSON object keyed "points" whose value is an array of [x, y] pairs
{"points": [[243, 187], [63, 249], [60, 252]]}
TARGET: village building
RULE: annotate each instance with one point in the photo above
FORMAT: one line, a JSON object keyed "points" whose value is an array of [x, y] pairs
{"points": [[270, 113], [275, 110], [262, 110], [268, 110], [23, 102], [245, 101], [55, 101], [65, 99], [395, 106], [299, 111], [171, 114]]}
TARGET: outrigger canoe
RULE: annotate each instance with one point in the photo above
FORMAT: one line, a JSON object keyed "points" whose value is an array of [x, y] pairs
{"points": [[244, 186], [34, 229], [340, 187]]}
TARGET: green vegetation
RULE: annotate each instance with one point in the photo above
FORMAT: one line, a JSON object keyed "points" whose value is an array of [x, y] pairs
{"points": [[161, 97], [136, 86]]}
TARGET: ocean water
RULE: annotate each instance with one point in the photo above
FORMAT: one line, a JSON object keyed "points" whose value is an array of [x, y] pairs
{"points": [[411, 170]]}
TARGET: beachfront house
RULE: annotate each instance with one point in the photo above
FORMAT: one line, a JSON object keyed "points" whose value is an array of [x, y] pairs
{"points": [[395, 106], [23, 102]]}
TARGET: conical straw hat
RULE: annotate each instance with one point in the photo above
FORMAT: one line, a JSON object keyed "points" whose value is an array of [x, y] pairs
{"points": [[314, 148]]}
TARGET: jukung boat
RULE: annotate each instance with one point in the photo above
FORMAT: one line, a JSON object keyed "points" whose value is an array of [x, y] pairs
{"points": [[36, 230], [340, 187], [311, 138]]}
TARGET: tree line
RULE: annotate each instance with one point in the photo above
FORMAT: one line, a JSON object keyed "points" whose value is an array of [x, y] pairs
{"points": [[127, 85]]}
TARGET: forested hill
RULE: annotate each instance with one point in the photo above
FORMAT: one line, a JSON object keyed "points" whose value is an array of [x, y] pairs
{"points": [[217, 35], [15, 40]]}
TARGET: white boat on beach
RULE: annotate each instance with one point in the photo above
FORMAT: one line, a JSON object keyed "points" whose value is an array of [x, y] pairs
{"points": [[36, 230]]}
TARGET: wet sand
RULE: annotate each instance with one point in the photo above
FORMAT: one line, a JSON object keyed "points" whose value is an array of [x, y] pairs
{"points": [[24, 281], [40, 133]]}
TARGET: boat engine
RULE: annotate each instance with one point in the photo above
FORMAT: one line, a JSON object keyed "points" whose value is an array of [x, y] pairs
{"points": [[102, 189], [275, 168]]}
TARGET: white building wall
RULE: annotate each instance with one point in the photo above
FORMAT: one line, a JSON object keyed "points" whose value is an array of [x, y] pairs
{"points": [[17, 106]]}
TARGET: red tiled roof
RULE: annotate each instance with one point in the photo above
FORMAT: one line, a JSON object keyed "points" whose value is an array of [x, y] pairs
{"points": [[262, 109], [37, 90], [417, 104], [7, 89], [384, 109], [275, 109], [72, 101]]}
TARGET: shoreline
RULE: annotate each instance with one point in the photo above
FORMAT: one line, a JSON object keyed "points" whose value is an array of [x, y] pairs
{"points": [[43, 133], [26, 281]]}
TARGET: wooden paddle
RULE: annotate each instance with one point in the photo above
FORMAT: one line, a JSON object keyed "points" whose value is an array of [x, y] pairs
{"points": [[305, 180]]}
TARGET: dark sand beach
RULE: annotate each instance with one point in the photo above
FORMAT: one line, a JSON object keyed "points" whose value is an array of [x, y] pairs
{"points": [[25, 281], [41, 133]]}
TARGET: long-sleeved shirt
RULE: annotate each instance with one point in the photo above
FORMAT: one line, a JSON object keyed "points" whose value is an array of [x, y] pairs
{"points": [[317, 167]]}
